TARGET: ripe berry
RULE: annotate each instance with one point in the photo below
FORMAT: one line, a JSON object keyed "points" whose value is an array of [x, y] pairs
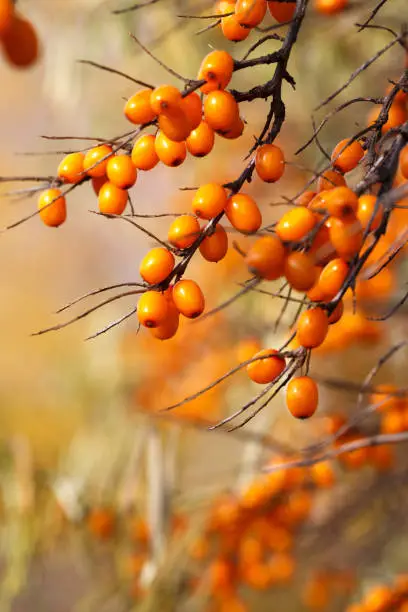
{"points": [[209, 201], [192, 107], [269, 163], [97, 183], [302, 397], [6, 15], [138, 109], [184, 231], [201, 140], [52, 207], [397, 114], [337, 313], [330, 179], [156, 265], [214, 247], [96, 160], [332, 277], [165, 98], [235, 131], [312, 327], [71, 168], [121, 171], [188, 298], [365, 211], [295, 224], [220, 110], [152, 309], [232, 29], [169, 328], [266, 370], [341, 202], [330, 7], [282, 11], [20, 43], [169, 152], [300, 271], [144, 156], [266, 257], [243, 213], [305, 198], [250, 13], [346, 236], [216, 68], [111, 199], [345, 157], [175, 125]]}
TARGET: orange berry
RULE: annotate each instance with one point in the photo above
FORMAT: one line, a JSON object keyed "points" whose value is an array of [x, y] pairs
{"points": [[378, 599], [392, 421], [397, 114], [152, 309], [232, 29], [282, 11], [365, 211], [138, 109], [312, 327], [302, 397], [266, 370], [266, 257], [346, 236], [52, 207], [216, 68], [192, 107], [144, 156], [156, 265], [337, 313], [188, 298], [330, 7], [97, 182], [321, 249], [235, 131], [96, 160], [403, 162], [223, 7], [6, 15], [111, 199], [209, 200], [269, 163], [220, 110], [214, 247], [345, 157], [295, 224], [165, 98], [243, 213], [169, 328], [330, 179], [250, 13], [121, 171], [282, 567], [341, 202], [300, 271], [101, 523], [20, 43], [332, 277], [322, 474], [71, 168], [183, 231], [386, 398], [175, 125], [169, 152], [247, 348], [305, 198], [201, 140]]}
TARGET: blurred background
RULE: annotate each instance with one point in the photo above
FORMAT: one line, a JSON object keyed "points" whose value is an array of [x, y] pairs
{"points": [[104, 504]]}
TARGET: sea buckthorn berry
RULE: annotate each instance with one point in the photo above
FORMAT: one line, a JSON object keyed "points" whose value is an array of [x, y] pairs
{"points": [[138, 109], [322, 474], [235, 130], [302, 397], [332, 277], [121, 171], [346, 236], [220, 110], [188, 298], [305, 198], [392, 421], [330, 179], [266, 370], [192, 107], [345, 157], [156, 265], [330, 7], [269, 163], [175, 125], [152, 309], [6, 15], [266, 257], [209, 200], [216, 68], [337, 313], [300, 271], [295, 224], [250, 13], [201, 140], [184, 231], [52, 207], [144, 156], [223, 7], [71, 168], [312, 327], [243, 213], [247, 348], [232, 29], [111, 199], [282, 11], [20, 42], [365, 212], [403, 162], [97, 182], [386, 397], [397, 114], [169, 152], [96, 160], [214, 247], [101, 522], [341, 202], [321, 249], [378, 599], [165, 98], [169, 328]]}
